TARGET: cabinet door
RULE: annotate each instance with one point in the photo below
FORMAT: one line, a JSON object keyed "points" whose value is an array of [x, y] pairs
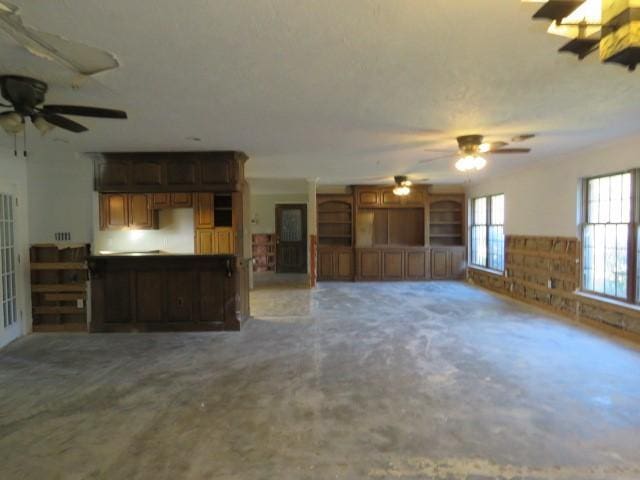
{"points": [[203, 210], [182, 173], [458, 262], [389, 199], [181, 200], [146, 173], [224, 241], [343, 265], [368, 198], [369, 267], [440, 263], [205, 243], [141, 215], [161, 200], [417, 265], [393, 265], [325, 264], [112, 174], [219, 172], [114, 211]]}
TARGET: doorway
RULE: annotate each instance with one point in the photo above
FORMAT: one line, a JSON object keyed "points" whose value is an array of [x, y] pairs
{"points": [[291, 238]]}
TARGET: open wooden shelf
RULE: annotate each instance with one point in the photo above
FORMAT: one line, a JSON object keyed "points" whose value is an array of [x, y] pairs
{"points": [[446, 222], [58, 287], [263, 247]]}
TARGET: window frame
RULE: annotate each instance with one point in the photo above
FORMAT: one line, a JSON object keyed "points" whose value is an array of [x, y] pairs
{"points": [[632, 295], [489, 223]]}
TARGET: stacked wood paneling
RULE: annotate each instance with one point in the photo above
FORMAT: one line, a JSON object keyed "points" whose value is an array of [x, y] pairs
{"points": [[545, 271], [59, 287]]}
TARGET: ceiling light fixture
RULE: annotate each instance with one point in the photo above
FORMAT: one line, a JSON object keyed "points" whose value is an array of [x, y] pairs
{"points": [[402, 188], [610, 26], [42, 125], [471, 162], [11, 122]]}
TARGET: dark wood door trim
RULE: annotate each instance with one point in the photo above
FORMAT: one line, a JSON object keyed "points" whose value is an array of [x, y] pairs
{"points": [[291, 257]]}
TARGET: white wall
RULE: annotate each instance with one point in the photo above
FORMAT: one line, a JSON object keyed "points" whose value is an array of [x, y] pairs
{"points": [[13, 180], [263, 209], [60, 195], [542, 199]]}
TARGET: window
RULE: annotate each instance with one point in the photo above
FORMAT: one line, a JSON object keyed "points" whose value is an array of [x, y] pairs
{"points": [[487, 232], [7, 262], [606, 235]]}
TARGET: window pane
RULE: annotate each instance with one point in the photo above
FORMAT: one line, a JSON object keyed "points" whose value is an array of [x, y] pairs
{"points": [[480, 211], [479, 245], [593, 196], [588, 255], [496, 247], [497, 210]]}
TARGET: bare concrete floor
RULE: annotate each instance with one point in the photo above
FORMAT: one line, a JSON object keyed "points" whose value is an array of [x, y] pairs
{"points": [[351, 381]]}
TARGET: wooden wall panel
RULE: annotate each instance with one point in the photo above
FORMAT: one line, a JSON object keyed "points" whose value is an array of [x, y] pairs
{"points": [[369, 265], [392, 265], [417, 265]]}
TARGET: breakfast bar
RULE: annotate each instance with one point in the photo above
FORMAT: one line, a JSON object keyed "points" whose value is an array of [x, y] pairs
{"points": [[167, 292]]}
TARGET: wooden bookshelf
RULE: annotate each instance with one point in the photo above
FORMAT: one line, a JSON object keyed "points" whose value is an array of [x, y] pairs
{"points": [[335, 222], [263, 246], [446, 221], [58, 287]]}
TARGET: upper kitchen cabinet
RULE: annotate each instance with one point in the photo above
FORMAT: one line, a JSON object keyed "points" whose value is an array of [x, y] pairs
{"points": [[119, 211], [169, 172]]}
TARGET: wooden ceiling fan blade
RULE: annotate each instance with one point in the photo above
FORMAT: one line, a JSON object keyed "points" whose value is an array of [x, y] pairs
{"points": [[510, 150], [441, 157], [84, 111], [64, 123]]}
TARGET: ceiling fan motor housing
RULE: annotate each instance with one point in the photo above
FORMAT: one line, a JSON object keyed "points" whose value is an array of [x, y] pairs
{"points": [[469, 143], [23, 93]]}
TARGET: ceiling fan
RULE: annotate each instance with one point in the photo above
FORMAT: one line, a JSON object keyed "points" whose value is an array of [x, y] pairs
{"points": [[471, 149], [26, 96]]}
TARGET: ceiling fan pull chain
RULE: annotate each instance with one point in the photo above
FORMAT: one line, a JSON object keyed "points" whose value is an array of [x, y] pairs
{"points": [[25, 141], [15, 144]]}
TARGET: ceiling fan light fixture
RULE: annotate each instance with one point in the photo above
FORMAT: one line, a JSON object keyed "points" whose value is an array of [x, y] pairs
{"points": [[11, 122], [471, 162], [42, 125], [401, 191], [402, 188]]}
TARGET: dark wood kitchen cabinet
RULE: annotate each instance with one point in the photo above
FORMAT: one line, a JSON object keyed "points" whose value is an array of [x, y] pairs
{"points": [[167, 293], [159, 172], [119, 211]]}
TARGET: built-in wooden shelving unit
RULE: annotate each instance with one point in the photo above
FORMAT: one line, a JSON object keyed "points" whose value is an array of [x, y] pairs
{"points": [[59, 287], [264, 252], [335, 223], [446, 220]]}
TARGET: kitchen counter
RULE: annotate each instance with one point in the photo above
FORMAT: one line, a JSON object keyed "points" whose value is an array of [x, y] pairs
{"points": [[160, 291]]}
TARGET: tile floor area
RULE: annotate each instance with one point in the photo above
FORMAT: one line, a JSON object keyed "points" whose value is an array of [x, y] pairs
{"points": [[350, 381]]}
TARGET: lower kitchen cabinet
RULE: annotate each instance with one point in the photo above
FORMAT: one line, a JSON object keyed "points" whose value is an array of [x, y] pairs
{"points": [[335, 264], [448, 262]]}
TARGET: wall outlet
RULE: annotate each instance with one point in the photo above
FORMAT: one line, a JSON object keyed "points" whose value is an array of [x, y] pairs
{"points": [[80, 303]]}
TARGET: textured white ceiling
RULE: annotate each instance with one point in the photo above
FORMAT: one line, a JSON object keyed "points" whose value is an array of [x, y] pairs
{"points": [[342, 90]]}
